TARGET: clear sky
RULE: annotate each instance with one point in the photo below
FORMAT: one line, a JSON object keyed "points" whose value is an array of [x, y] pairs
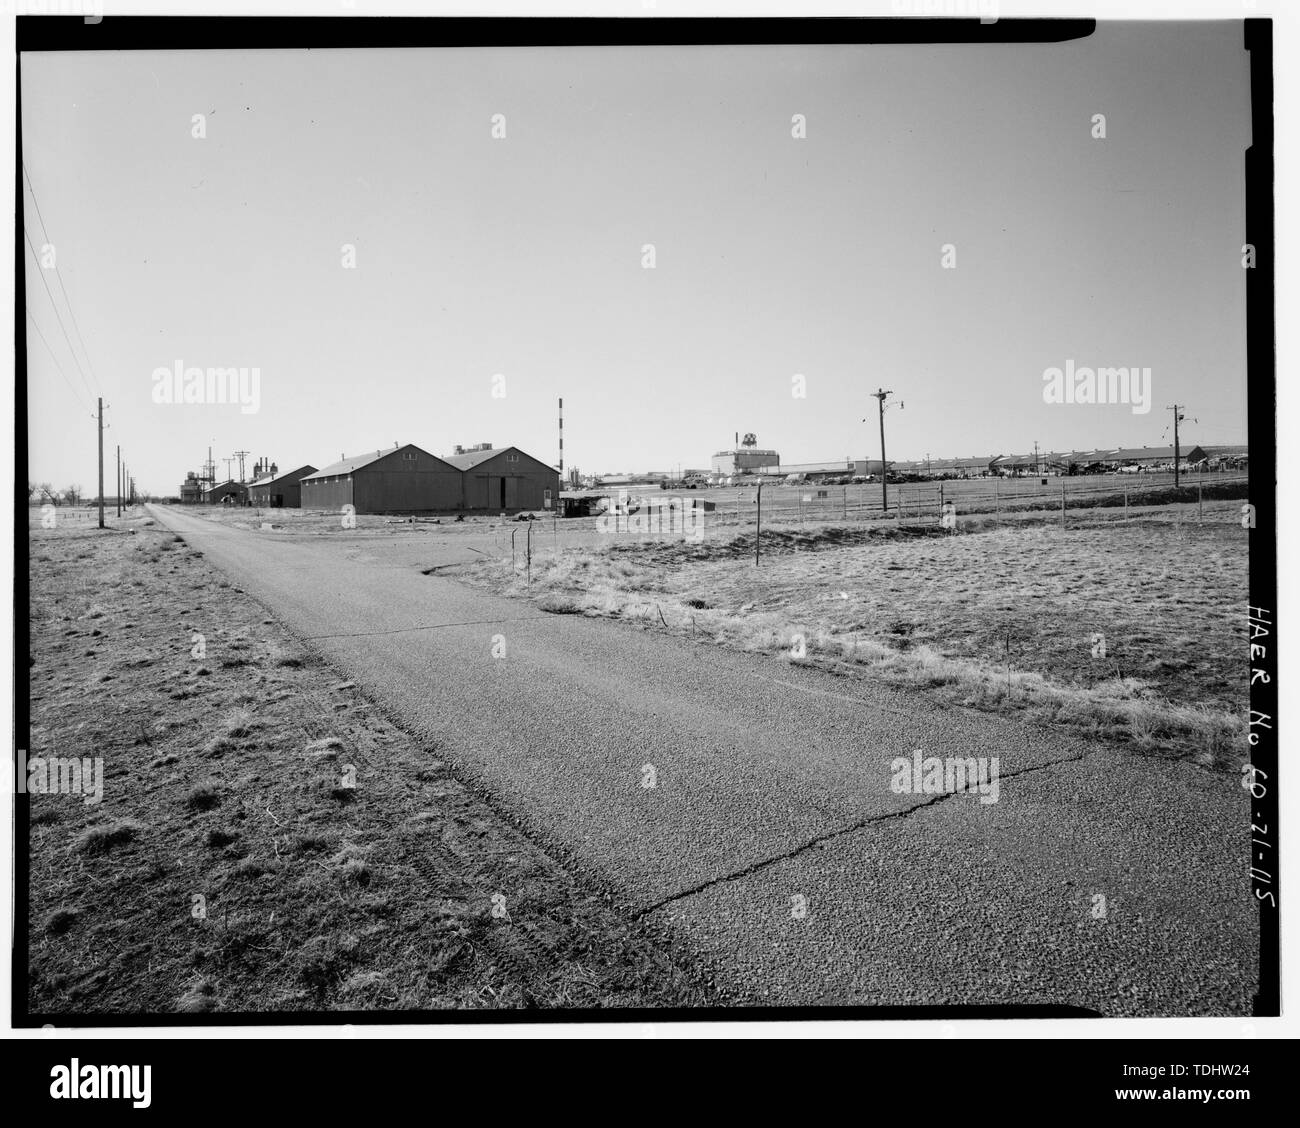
{"points": [[523, 256]]}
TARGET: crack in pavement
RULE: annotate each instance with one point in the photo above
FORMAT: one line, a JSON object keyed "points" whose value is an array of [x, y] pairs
{"points": [[428, 627], [813, 843]]}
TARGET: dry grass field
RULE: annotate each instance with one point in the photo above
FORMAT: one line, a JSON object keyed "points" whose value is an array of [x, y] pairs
{"points": [[1132, 630], [267, 841]]}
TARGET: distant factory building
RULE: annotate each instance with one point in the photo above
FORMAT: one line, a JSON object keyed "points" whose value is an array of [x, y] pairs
{"points": [[1154, 458], [504, 480], [191, 489], [271, 489], [856, 467], [402, 479], [746, 457]]}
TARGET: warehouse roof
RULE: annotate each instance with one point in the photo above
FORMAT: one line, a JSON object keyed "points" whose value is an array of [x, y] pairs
{"points": [[474, 457], [225, 486], [1133, 453], [843, 466], [267, 479], [348, 465]]}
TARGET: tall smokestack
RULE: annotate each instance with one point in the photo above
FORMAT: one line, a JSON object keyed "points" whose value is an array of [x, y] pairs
{"points": [[561, 442]]}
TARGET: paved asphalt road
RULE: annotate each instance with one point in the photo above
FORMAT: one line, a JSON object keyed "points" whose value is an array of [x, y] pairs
{"points": [[772, 839]]}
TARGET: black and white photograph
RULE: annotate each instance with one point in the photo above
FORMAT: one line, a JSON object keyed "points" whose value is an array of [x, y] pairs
{"points": [[659, 518]]}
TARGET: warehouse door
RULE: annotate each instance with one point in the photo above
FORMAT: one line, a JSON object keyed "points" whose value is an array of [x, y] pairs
{"points": [[511, 492]]}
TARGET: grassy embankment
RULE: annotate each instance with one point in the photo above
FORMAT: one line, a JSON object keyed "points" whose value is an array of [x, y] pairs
{"points": [[1132, 631]]}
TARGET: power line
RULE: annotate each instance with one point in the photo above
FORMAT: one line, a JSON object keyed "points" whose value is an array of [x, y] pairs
{"points": [[76, 394], [40, 270], [68, 301]]}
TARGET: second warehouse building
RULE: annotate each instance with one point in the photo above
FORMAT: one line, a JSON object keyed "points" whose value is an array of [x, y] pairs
{"points": [[408, 479]]}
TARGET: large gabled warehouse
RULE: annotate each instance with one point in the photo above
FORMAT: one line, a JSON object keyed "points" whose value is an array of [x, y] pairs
{"points": [[505, 479], [402, 479]]}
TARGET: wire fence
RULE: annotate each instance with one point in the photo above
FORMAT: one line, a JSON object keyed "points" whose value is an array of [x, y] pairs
{"points": [[1216, 497]]}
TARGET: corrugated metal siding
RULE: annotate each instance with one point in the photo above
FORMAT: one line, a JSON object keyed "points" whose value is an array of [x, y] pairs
{"points": [[391, 489], [526, 482], [426, 484], [289, 493], [476, 490], [326, 495]]}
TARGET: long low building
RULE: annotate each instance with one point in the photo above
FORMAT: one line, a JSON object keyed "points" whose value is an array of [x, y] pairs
{"points": [[855, 466], [408, 479]]}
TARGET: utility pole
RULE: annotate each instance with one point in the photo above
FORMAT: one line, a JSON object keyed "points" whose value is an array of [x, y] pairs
{"points": [[239, 454], [119, 480], [880, 395], [1036, 469], [1178, 415], [101, 461], [228, 461]]}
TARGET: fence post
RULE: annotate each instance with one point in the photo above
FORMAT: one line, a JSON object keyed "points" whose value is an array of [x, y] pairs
{"points": [[997, 505], [528, 541], [1125, 501], [512, 548], [758, 528], [1062, 503], [1198, 499]]}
